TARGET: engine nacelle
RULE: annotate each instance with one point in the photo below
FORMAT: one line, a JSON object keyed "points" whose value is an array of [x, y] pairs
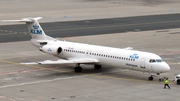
{"points": [[55, 50]]}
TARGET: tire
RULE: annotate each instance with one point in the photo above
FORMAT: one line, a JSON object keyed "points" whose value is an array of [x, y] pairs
{"points": [[161, 79], [150, 78], [178, 82], [97, 66], [78, 69]]}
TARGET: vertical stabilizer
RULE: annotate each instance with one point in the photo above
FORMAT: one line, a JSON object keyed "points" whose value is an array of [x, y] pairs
{"points": [[34, 27]]}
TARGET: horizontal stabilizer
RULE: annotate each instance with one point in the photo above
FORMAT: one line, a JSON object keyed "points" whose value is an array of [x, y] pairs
{"points": [[24, 20]]}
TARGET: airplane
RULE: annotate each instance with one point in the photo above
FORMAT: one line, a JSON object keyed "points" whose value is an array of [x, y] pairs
{"points": [[80, 53]]}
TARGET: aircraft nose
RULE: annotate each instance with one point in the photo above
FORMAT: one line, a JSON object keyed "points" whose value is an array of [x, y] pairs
{"points": [[166, 67]]}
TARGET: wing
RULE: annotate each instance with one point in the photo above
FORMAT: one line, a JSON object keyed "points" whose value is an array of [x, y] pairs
{"points": [[62, 61], [128, 48]]}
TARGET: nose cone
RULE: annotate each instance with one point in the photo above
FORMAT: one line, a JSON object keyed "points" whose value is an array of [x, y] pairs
{"points": [[165, 67]]}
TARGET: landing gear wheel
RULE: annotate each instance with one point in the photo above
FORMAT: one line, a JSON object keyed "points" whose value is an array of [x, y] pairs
{"points": [[97, 66], [161, 79], [150, 78], [78, 69], [178, 82]]}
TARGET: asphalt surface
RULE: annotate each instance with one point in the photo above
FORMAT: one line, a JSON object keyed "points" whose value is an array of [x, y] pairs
{"points": [[60, 83], [12, 33]]}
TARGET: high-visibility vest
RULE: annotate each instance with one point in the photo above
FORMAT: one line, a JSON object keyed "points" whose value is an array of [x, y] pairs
{"points": [[166, 81]]}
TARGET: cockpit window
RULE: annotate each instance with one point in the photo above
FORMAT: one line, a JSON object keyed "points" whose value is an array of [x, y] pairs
{"points": [[155, 60], [158, 60], [152, 60]]}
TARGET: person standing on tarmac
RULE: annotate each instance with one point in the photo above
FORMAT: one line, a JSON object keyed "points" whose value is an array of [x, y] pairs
{"points": [[166, 83]]}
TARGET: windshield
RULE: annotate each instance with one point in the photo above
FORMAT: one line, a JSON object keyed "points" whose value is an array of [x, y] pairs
{"points": [[158, 60], [155, 60]]}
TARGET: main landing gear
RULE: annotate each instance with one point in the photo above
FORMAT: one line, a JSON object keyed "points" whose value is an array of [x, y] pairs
{"points": [[97, 66], [78, 68]]}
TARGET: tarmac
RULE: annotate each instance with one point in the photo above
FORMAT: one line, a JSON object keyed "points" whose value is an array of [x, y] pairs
{"points": [[73, 10], [60, 83]]}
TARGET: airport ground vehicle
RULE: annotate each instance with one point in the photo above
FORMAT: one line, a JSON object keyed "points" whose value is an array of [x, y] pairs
{"points": [[177, 78]]}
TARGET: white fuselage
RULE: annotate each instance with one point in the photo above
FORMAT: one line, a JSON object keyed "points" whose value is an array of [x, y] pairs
{"points": [[112, 57]]}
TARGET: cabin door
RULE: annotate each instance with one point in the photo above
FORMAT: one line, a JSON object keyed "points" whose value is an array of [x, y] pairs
{"points": [[142, 64]]}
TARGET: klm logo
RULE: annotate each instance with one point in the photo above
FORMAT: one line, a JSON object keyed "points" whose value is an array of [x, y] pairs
{"points": [[35, 27], [49, 50], [35, 30], [134, 56]]}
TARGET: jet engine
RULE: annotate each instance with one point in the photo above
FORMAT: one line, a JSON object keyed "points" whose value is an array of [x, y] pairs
{"points": [[55, 50]]}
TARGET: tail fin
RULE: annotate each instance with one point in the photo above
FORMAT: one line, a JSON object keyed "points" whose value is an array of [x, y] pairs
{"points": [[34, 27]]}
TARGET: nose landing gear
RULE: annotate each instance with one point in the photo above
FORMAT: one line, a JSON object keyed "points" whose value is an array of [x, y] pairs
{"points": [[150, 78]]}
